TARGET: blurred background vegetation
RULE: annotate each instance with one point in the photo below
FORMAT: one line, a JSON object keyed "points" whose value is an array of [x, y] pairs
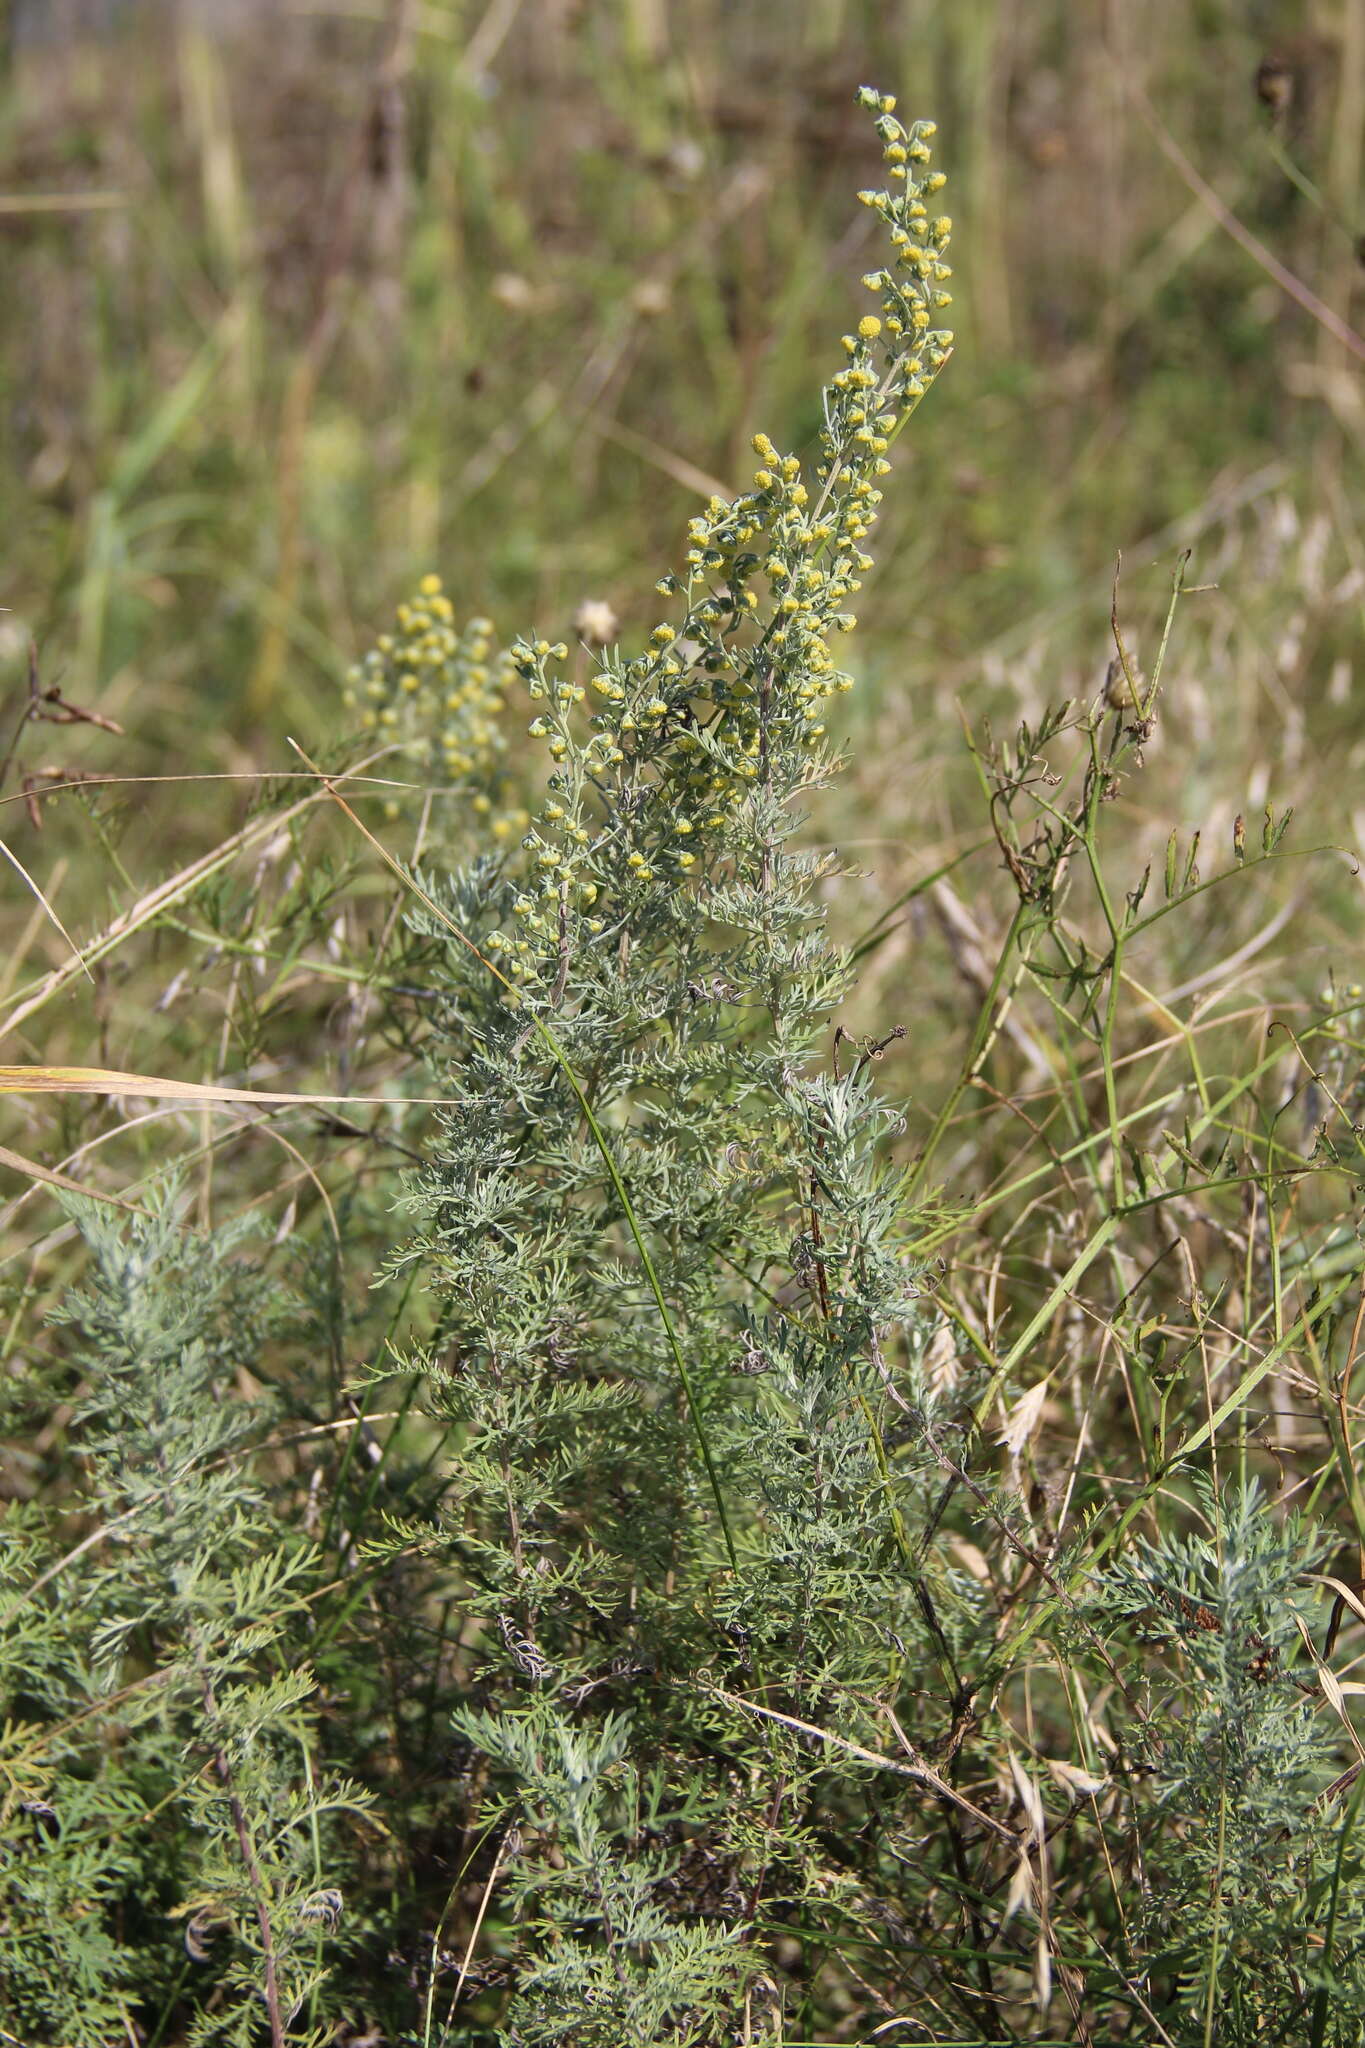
{"points": [[303, 300]]}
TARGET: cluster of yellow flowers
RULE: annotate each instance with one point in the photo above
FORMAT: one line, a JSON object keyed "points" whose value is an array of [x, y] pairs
{"points": [[724, 702], [554, 882], [439, 689], [686, 730]]}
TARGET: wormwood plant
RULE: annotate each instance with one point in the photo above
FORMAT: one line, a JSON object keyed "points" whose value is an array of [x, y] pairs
{"points": [[683, 1657], [1236, 1875], [671, 1262]]}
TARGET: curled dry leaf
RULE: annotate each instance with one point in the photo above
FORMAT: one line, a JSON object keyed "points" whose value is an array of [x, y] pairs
{"points": [[1022, 1419], [1029, 1798], [1022, 1892], [1081, 1784]]}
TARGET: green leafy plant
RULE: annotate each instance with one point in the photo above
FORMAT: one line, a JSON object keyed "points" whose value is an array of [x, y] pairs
{"points": [[185, 1638], [1236, 1864], [668, 1255], [712, 1582]]}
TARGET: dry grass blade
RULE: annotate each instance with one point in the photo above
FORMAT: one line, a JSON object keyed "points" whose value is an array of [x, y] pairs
{"points": [[150, 906], [49, 1175], [169, 892], [19, 867], [677, 466], [1333, 1691], [1346, 1594], [12, 203], [110, 1081]]}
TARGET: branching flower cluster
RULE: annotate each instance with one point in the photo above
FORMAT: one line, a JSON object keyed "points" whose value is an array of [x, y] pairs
{"points": [[731, 695], [439, 690]]}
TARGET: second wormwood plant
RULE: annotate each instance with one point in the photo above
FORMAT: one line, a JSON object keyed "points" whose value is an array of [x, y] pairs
{"points": [[672, 1272], [160, 1821]]}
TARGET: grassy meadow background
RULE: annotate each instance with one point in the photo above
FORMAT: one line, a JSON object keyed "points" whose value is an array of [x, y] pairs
{"points": [[295, 315], [299, 303]]}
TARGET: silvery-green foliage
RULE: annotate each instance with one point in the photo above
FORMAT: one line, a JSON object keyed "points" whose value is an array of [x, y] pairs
{"points": [[637, 1524], [159, 1808], [1239, 1860], [610, 1962]]}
